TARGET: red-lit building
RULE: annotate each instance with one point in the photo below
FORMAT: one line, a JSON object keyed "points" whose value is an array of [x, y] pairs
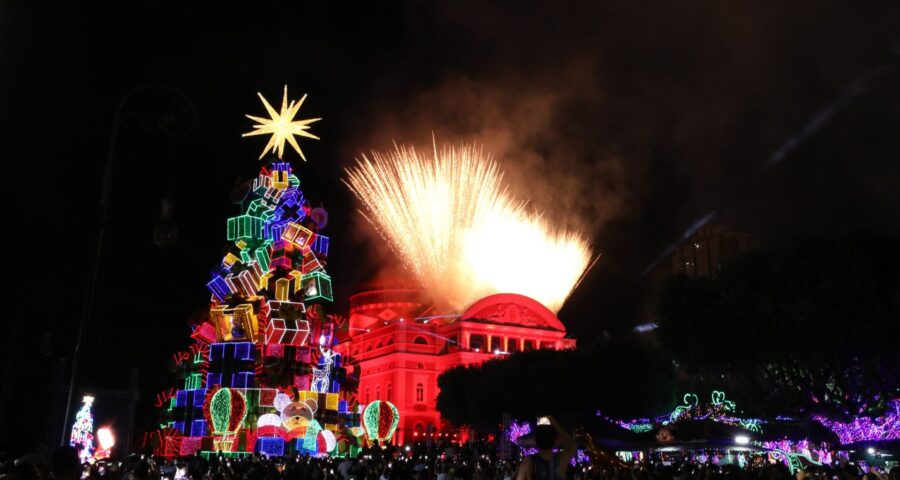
{"points": [[401, 346]]}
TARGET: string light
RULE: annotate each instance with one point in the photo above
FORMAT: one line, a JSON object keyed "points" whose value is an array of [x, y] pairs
{"points": [[885, 427], [719, 410]]}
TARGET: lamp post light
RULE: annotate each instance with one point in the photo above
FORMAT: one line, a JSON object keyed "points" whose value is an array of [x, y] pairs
{"points": [[165, 124]]}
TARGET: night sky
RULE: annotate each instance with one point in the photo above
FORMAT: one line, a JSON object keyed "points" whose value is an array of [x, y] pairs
{"points": [[626, 120]]}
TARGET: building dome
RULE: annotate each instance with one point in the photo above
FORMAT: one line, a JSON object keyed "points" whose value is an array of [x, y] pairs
{"points": [[513, 309]]}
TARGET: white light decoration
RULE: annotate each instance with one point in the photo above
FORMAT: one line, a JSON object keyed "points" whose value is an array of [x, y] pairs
{"points": [[742, 440], [106, 438], [281, 126], [281, 401], [322, 376], [269, 419], [330, 440]]}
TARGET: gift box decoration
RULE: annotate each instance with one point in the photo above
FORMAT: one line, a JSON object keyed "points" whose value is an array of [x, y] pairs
{"points": [[273, 195], [229, 260], [261, 255], [283, 289], [287, 332], [262, 183], [290, 211], [190, 445], [299, 235], [331, 401], [265, 279], [311, 264], [204, 333], [246, 283], [286, 324], [267, 397], [245, 278], [245, 227], [317, 287], [281, 175], [320, 245], [258, 207], [219, 288], [234, 324], [285, 255]]}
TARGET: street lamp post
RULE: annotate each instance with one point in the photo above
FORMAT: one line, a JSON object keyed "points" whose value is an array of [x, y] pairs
{"points": [[107, 182]]}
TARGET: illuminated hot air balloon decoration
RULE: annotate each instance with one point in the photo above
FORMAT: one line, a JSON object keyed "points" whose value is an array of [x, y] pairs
{"points": [[381, 418], [225, 410]]}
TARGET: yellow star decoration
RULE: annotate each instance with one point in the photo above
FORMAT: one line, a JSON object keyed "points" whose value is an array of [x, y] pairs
{"points": [[282, 126]]}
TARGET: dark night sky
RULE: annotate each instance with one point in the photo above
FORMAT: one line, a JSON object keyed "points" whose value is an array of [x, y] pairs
{"points": [[628, 120]]}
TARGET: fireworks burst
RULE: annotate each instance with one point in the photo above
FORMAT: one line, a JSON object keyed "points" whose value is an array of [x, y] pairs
{"points": [[460, 232]]}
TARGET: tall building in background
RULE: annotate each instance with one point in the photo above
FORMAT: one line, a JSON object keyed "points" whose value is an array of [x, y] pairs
{"points": [[708, 249], [400, 346]]}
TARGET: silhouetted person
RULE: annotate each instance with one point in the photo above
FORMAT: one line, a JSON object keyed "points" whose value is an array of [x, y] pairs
{"points": [[547, 465], [65, 465]]}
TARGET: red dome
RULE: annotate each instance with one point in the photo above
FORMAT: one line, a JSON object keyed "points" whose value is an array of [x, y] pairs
{"points": [[513, 309]]}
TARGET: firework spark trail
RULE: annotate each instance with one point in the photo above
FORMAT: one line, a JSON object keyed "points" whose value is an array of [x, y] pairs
{"points": [[460, 232]]}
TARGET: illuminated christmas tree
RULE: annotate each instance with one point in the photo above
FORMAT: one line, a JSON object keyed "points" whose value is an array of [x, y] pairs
{"points": [[262, 375], [82, 436]]}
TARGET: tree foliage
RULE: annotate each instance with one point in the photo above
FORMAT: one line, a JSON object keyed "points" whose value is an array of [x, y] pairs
{"points": [[624, 378], [811, 327]]}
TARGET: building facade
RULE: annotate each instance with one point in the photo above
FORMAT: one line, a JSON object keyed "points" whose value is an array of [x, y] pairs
{"points": [[708, 249], [401, 347]]}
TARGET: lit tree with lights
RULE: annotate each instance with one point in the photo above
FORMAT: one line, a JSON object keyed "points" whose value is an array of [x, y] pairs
{"points": [[262, 375], [82, 436]]}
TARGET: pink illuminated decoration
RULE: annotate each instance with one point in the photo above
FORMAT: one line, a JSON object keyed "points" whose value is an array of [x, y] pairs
{"points": [[204, 333], [885, 427], [516, 430]]}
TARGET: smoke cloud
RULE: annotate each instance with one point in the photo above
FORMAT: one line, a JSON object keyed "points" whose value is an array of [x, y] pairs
{"points": [[625, 122]]}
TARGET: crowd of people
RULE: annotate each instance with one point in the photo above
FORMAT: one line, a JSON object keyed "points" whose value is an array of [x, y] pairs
{"points": [[474, 462], [552, 450]]}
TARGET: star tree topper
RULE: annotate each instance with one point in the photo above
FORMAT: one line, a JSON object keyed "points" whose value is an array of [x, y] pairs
{"points": [[282, 126]]}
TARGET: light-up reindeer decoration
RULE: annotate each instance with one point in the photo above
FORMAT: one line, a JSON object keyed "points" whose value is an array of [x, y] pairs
{"points": [[322, 375]]}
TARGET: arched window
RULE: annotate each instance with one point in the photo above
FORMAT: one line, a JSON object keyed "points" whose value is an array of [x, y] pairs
{"points": [[420, 392], [390, 341], [367, 395], [390, 392], [420, 340], [379, 345], [378, 392]]}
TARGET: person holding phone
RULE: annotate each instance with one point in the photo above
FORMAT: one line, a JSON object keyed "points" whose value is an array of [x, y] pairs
{"points": [[547, 464]]}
